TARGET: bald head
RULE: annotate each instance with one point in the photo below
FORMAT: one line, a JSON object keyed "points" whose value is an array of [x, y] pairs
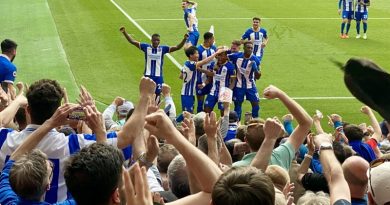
{"points": [[355, 171]]}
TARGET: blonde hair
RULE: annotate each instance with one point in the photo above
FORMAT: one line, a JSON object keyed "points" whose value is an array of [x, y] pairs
{"points": [[311, 198], [29, 176], [278, 175]]}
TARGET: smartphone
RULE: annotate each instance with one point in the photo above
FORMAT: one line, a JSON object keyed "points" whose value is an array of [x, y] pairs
{"points": [[77, 114]]}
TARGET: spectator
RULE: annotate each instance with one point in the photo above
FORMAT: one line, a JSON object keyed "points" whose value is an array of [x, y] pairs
{"points": [[7, 68], [355, 172], [378, 182], [121, 107]]}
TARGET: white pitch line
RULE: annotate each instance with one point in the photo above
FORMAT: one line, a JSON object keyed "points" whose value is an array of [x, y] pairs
{"points": [[230, 18], [174, 61]]}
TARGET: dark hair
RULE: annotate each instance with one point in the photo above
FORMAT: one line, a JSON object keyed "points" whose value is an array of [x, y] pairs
{"points": [[155, 35], [339, 151], [93, 174], [207, 35], [256, 18], [247, 42], [243, 185], [44, 97], [8, 45], [20, 117], [191, 51], [353, 132]]}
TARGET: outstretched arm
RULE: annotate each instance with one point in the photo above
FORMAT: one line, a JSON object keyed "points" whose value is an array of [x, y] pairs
{"points": [[129, 38], [180, 45], [338, 186], [135, 124], [303, 118], [271, 132], [204, 169]]}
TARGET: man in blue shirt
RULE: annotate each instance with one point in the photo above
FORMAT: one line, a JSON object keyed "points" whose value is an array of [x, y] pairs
{"points": [[247, 68], [7, 68], [347, 15], [258, 36], [361, 13], [154, 56]]}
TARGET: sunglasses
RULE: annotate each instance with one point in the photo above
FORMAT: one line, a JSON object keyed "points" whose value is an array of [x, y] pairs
{"points": [[374, 164]]}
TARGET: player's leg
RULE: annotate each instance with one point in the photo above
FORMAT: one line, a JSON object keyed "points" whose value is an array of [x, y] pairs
{"points": [[348, 26], [365, 17], [253, 96], [187, 103], [200, 95], [343, 22], [238, 99], [210, 103], [358, 19], [192, 39]]}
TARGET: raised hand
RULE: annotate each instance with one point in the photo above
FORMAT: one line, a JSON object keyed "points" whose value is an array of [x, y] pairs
{"points": [[310, 143], [366, 110], [272, 128], [166, 90], [60, 117], [94, 119], [211, 125], [152, 148], [85, 97], [272, 92], [137, 190], [322, 138], [122, 29], [147, 87], [159, 124], [189, 130]]}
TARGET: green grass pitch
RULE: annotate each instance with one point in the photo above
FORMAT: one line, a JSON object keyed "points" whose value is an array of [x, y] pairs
{"points": [[78, 43]]}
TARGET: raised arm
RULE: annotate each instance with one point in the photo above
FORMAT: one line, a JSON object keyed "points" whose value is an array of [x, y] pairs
{"points": [[59, 118], [8, 114], [211, 128], [180, 45], [199, 64], [135, 124], [338, 186], [205, 170], [317, 124], [307, 159], [374, 123], [129, 38], [302, 117], [109, 112], [271, 132]]}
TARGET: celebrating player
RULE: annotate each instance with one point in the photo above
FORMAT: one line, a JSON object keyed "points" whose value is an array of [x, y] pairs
{"points": [[258, 36], [361, 13], [346, 15], [189, 8]]}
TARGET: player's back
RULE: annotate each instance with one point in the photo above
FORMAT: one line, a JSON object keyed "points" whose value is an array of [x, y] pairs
{"points": [[189, 76]]}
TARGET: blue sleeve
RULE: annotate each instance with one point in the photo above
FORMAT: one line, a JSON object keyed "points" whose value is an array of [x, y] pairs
{"points": [[165, 49], [143, 46], [7, 195], [255, 66], [340, 2], [315, 165], [264, 33], [11, 74], [233, 57], [288, 126], [127, 152], [246, 34]]}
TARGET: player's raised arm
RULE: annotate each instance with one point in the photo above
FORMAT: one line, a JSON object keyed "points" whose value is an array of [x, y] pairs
{"points": [[193, 3], [340, 3], [180, 45], [129, 38]]}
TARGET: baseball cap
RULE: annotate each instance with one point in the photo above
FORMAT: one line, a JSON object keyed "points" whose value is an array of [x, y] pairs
{"points": [[233, 117], [368, 83], [378, 183], [125, 107]]}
